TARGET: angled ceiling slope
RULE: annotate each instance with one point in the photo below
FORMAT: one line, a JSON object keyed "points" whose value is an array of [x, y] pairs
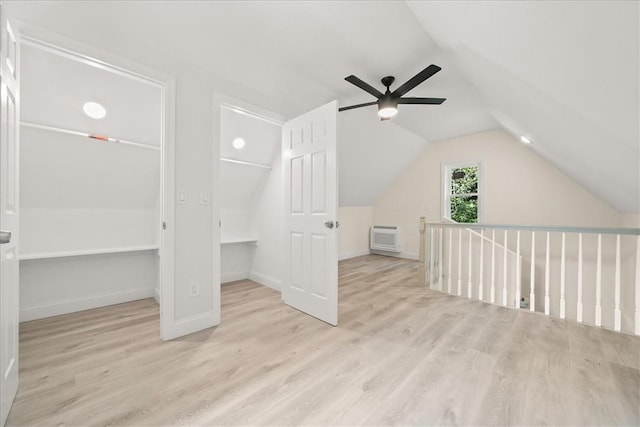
{"points": [[564, 74]]}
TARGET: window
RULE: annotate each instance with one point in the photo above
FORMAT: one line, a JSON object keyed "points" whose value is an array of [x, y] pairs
{"points": [[461, 192]]}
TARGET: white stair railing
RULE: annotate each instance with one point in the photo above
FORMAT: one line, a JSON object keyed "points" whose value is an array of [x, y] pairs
{"points": [[590, 275]]}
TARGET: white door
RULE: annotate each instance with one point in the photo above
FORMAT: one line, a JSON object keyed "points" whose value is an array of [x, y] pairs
{"points": [[8, 219], [310, 279]]}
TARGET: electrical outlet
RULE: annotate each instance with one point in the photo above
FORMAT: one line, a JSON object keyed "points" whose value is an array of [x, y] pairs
{"points": [[195, 289]]}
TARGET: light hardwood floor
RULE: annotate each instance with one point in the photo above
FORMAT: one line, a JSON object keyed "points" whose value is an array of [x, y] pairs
{"points": [[402, 355]]}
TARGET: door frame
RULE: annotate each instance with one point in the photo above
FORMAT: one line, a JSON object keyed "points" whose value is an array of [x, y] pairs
{"points": [[221, 100], [92, 56]]}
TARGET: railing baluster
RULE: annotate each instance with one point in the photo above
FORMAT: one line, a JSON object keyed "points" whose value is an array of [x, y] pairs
{"points": [[440, 287], [504, 270], [617, 314], [469, 286], [480, 284], [532, 277], [638, 285], [449, 261], [421, 253], [459, 261], [493, 266], [579, 308], [599, 283], [439, 263], [547, 277], [562, 278], [518, 272], [432, 258]]}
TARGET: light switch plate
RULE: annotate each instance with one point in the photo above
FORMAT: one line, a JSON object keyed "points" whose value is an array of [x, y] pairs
{"points": [[205, 198], [183, 197]]}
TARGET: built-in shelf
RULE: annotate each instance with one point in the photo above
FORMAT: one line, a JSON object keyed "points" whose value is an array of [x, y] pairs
{"points": [[63, 254], [229, 240]]}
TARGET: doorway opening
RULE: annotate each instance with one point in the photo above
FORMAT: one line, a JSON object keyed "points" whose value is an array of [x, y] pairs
{"points": [[250, 188], [94, 172]]}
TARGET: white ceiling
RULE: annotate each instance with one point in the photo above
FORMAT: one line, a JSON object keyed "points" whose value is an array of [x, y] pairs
{"points": [[563, 73]]}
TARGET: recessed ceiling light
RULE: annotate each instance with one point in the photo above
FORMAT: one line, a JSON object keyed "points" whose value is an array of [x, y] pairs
{"points": [[238, 143], [94, 110], [525, 140]]}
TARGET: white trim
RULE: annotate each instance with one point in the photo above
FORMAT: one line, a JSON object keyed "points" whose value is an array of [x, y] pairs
{"points": [[45, 255], [269, 282], [233, 276], [190, 324], [406, 255], [348, 255], [73, 305], [246, 109], [88, 54]]}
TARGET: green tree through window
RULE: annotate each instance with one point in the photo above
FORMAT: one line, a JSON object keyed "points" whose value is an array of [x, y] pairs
{"points": [[464, 194]]}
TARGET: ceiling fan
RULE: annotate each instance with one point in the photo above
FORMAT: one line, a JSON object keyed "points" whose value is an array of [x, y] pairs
{"points": [[388, 101]]}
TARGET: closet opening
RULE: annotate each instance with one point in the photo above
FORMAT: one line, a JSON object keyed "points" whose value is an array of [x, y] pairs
{"points": [[92, 174], [251, 202]]}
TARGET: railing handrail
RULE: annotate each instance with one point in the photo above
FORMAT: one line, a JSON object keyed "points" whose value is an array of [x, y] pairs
{"points": [[479, 235], [592, 230]]}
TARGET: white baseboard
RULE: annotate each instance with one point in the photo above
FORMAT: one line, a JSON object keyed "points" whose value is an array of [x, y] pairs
{"points": [[409, 255], [190, 324], [267, 281], [56, 308], [347, 255], [156, 294], [405, 255], [232, 277]]}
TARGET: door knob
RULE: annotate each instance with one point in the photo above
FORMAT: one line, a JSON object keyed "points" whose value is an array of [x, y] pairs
{"points": [[5, 237], [328, 224]]}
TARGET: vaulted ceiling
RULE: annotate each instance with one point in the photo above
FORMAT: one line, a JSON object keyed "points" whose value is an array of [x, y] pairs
{"points": [[564, 73]]}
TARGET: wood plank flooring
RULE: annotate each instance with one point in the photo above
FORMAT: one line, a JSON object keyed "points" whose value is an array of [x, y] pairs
{"points": [[402, 355]]}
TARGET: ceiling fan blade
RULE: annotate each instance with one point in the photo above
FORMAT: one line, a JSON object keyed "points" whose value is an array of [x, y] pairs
{"points": [[351, 107], [435, 101], [416, 80], [364, 86]]}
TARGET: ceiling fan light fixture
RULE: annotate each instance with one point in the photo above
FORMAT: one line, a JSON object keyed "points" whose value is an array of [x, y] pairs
{"points": [[387, 108]]}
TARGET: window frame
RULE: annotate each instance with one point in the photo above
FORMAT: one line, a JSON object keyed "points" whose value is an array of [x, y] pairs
{"points": [[446, 169]]}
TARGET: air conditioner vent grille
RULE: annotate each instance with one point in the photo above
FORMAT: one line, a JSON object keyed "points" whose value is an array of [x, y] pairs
{"points": [[385, 238]]}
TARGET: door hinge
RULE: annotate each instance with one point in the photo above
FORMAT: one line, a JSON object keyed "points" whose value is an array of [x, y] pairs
{"points": [[164, 225]]}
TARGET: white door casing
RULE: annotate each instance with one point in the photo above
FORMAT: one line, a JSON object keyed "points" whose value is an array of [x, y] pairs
{"points": [[9, 151], [310, 279]]}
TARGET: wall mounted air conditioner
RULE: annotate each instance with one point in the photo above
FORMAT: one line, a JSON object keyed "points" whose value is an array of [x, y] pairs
{"points": [[385, 238]]}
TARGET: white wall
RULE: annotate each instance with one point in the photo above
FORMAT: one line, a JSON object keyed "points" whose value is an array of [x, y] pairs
{"points": [[518, 187], [353, 233], [267, 221], [235, 258], [49, 287]]}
